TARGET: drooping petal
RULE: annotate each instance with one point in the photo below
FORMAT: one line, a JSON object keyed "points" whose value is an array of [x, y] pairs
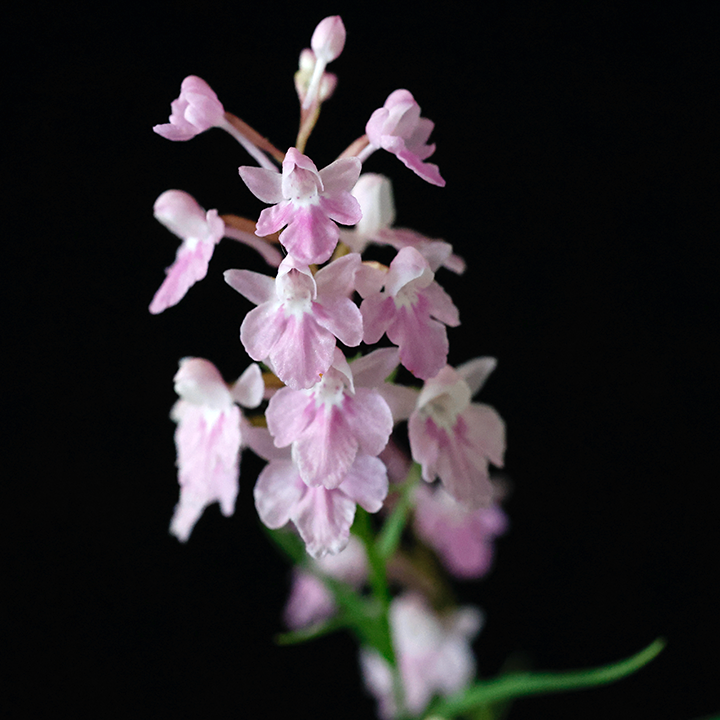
{"points": [[323, 518], [326, 449], [310, 236], [191, 265], [303, 352]]}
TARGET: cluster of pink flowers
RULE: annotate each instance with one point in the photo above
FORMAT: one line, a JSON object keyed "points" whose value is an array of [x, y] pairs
{"points": [[328, 417]]}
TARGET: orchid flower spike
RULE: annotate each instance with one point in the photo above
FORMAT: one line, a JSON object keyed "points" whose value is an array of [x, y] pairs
{"points": [[196, 110], [209, 438], [327, 43], [398, 128], [307, 201]]}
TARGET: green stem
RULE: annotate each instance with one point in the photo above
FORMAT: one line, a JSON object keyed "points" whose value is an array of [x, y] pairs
{"points": [[519, 684]]}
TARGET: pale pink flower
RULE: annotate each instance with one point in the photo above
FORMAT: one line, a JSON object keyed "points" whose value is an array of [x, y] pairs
{"points": [[307, 201], [434, 655], [196, 110], [335, 420], [454, 439], [199, 231], [322, 516], [462, 537], [374, 193], [299, 316], [209, 438], [411, 310], [398, 128], [310, 601]]}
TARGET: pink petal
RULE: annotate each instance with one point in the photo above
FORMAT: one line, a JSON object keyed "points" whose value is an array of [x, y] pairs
{"points": [[190, 266], [338, 277], [310, 236], [425, 443], [440, 305], [340, 176], [263, 183], [274, 218], [249, 388], [427, 171], [342, 318], [262, 329], [302, 352], [369, 419], [423, 342], [373, 369], [277, 492], [323, 519], [289, 414], [366, 483], [476, 372], [487, 430], [256, 287], [378, 311], [326, 449]]}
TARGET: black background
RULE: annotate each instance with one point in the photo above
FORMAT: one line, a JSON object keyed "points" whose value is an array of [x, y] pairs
{"points": [[579, 145]]}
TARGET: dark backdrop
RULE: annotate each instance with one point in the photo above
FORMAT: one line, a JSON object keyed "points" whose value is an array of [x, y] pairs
{"points": [[579, 147]]}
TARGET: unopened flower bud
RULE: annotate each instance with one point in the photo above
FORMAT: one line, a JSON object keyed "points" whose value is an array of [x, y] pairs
{"points": [[328, 40]]}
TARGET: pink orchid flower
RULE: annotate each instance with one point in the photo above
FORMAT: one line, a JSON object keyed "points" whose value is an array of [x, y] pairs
{"points": [[335, 420], [299, 316], [199, 232], [398, 128], [307, 201], [209, 438], [434, 655], [454, 439], [196, 110], [406, 309], [322, 516], [462, 537]]}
